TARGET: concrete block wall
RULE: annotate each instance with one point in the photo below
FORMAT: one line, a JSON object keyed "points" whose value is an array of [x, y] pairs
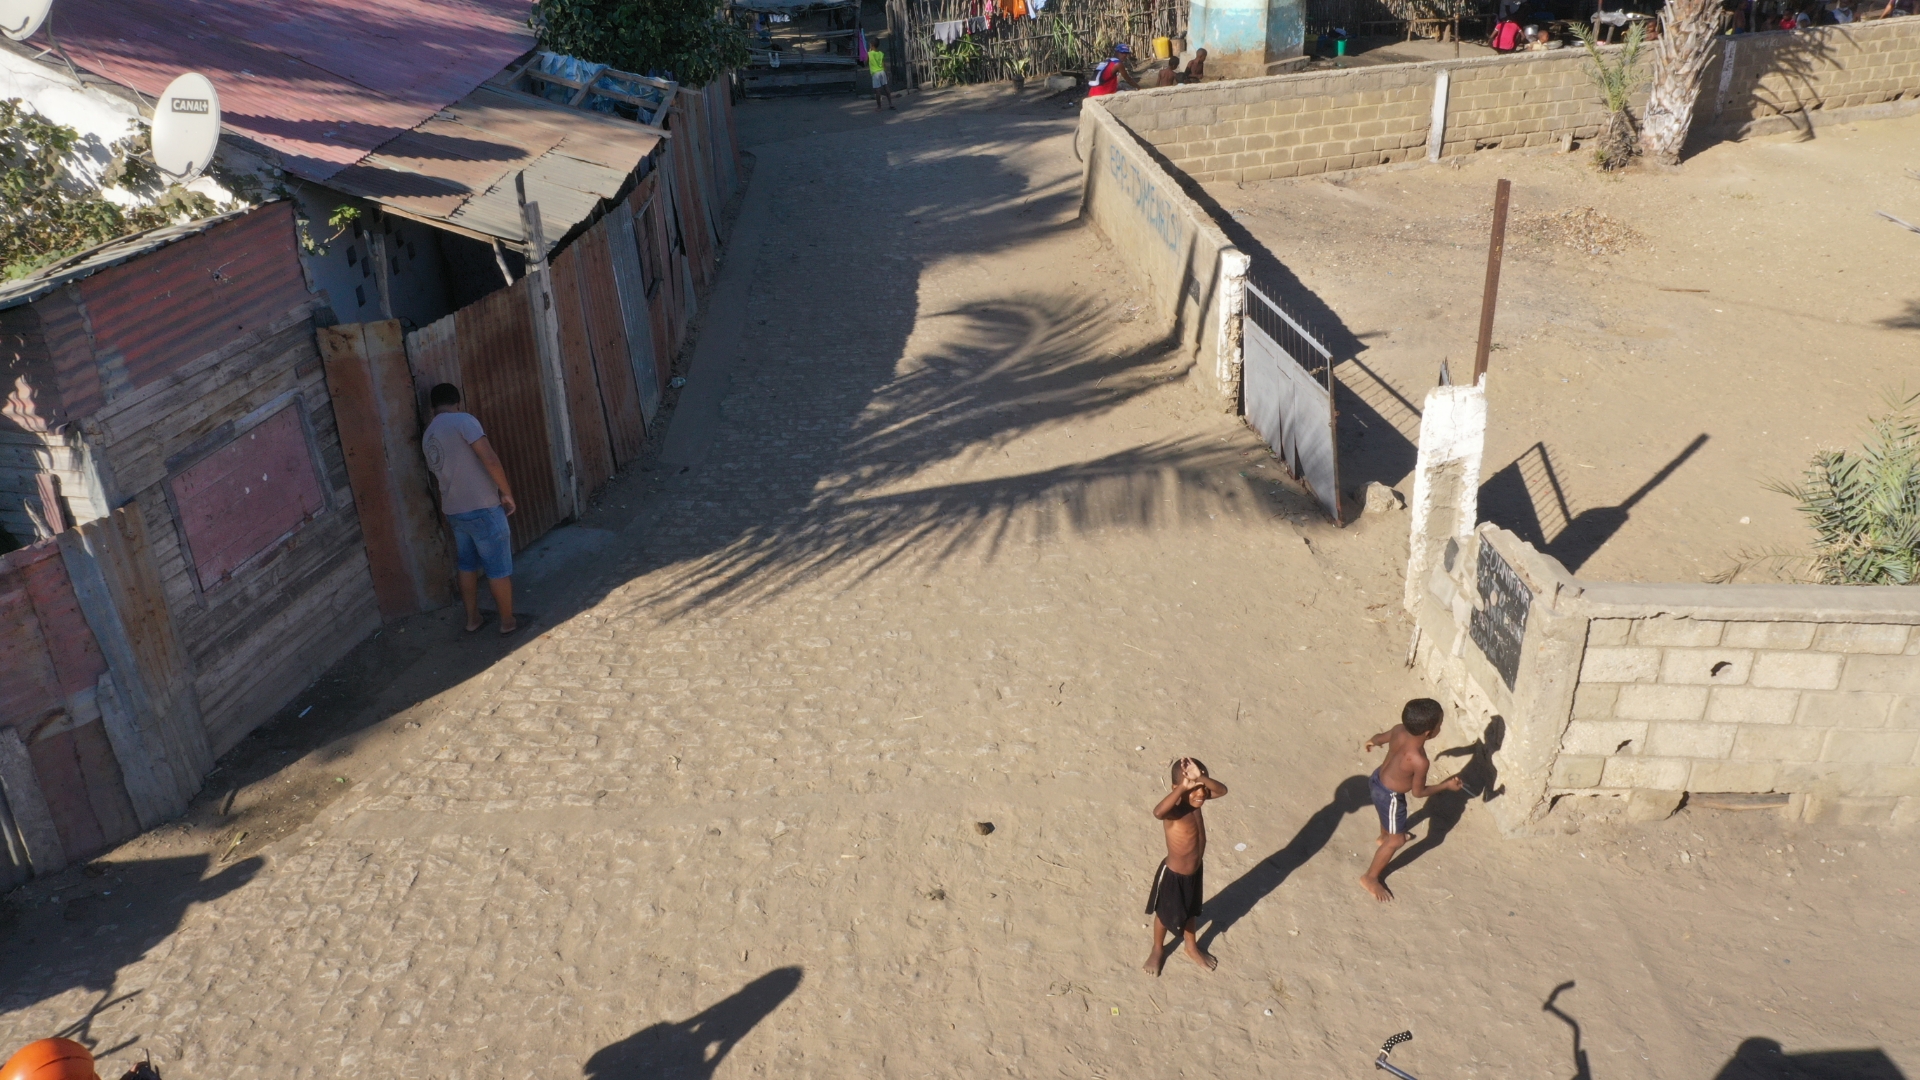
{"points": [[1314, 122], [1826, 710], [1196, 276], [1792, 78], [1807, 691]]}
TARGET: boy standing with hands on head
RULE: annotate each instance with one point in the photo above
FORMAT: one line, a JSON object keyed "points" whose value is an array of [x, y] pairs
{"points": [[1178, 885], [1403, 773]]}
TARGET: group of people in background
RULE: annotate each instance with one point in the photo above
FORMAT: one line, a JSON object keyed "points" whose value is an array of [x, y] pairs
{"points": [[1112, 75], [1514, 31]]}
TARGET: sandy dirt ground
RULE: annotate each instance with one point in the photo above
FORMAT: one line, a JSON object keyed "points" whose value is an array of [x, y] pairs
{"points": [[951, 542], [1666, 342]]}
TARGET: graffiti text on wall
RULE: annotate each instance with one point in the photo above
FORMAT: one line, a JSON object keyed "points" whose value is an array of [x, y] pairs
{"points": [[1147, 199]]}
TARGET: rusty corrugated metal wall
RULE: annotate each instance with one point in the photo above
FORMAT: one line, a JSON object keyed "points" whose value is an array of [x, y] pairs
{"points": [[153, 314]]}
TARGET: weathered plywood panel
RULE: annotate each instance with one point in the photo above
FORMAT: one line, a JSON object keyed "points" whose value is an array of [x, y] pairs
{"points": [[356, 413], [246, 496], [595, 460], [607, 333], [629, 279], [29, 686]]}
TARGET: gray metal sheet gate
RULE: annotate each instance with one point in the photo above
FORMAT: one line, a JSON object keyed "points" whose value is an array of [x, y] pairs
{"points": [[1287, 381]]}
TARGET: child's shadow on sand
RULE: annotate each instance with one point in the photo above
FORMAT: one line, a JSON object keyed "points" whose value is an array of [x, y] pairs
{"points": [[1227, 906]]}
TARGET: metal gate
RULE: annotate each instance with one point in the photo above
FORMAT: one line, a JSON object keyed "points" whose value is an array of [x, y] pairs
{"points": [[1288, 388]]}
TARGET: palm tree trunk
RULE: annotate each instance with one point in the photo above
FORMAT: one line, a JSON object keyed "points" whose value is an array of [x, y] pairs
{"points": [[1688, 29]]}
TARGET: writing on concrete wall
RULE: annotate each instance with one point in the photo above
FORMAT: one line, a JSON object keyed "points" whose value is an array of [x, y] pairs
{"points": [[1147, 199], [1499, 624]]}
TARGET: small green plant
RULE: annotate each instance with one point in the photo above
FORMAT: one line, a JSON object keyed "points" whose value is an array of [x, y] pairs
{"points": [[1616, 77], [958, 62], [1865, 507]]}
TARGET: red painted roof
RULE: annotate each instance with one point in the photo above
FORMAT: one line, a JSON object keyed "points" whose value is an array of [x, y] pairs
{"points": [[320, 81]]}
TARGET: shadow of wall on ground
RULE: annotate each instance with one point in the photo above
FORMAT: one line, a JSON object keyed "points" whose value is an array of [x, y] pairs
{"points": [[692, 1049], [1371, 447], [100, 920], [1527, 498]]}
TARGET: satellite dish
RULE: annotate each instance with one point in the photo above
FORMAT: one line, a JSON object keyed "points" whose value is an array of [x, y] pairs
{"points": [[20, 18], [186, 126]]}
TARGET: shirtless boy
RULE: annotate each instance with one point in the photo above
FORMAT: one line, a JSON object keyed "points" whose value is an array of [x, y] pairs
{"points": [[1404, 773], [1174, 901]]}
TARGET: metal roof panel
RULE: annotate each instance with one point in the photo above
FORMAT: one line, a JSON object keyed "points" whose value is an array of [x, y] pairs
{"points": [[322, 81]]}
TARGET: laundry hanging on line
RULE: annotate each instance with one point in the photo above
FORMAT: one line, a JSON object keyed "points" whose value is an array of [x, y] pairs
{"points": [[946, 33]]}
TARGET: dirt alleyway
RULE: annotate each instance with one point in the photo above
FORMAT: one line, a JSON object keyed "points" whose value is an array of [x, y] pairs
{"points": [[962, 549]]}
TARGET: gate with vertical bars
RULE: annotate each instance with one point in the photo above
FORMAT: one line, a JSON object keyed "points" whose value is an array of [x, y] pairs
{"points": [[1288, 389]]}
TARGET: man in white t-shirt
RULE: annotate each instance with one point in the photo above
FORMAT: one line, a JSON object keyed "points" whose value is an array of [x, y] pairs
{"points": [[475, 496]]}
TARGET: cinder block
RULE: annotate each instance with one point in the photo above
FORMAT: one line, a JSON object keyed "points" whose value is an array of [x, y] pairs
{"points": [[1660, 774], [1766, 742], [1747, 705], [1870, 747], [1768, 635], [1618, 665], [1646, 804], [1594, 701], [1608, 632], [1886, 780], [1665, 630], [1640, 701], [1690, 740], [1800, 670], [1849, 710], [1905, 713], [1882, 638], [1843, 810], [1906, 811], [1706, 667], [1603, 737], [1576, 771], [1890, 674], [1733, 776]]}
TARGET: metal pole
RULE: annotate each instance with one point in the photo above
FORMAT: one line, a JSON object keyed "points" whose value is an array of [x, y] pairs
{"points": [[1495, 247]]}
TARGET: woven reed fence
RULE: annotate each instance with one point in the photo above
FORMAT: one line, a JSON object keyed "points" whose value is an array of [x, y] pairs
{"points": [[1069, 36]]}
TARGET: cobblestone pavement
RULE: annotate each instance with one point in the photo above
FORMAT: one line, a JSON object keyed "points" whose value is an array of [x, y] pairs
{"points": [[963, 549]]}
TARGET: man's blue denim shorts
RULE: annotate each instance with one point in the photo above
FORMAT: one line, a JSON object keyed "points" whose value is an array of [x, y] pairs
{"points": [[486, 544]]}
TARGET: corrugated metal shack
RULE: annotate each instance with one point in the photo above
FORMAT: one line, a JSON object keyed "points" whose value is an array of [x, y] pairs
{"points": [[200, 512], [616, 225]]}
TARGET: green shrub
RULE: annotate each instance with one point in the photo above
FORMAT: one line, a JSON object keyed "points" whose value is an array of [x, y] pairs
{"points": [[47, 212], [690, 40], [1865, 506]]}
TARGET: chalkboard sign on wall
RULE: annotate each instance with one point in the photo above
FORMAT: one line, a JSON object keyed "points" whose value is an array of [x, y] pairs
{"points": [[1499, 624]]}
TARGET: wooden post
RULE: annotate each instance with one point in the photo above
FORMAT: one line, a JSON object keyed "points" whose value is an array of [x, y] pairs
{"points": [[566, 478], [1496, 246], [377, 248]]}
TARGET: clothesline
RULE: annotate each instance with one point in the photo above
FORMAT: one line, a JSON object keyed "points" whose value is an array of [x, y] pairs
{"points": [[948, 31]]}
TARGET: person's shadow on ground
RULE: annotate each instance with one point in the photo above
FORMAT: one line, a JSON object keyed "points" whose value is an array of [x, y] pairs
{"points": [[1231, 903], [694, 1047], [1443, 811], [1765, 1059]]}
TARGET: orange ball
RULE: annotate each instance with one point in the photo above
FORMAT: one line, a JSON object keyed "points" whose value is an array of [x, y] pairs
{"points": [[50, 1059]]}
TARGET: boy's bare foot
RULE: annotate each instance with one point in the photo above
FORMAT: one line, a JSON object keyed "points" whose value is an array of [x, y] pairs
{"points": [[1380, 891], [1155, 961], [1200, 956]]}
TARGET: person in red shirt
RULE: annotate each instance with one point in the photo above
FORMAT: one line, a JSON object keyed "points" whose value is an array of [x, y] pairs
{"points": [[1505, 37], [1112, 72]]}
